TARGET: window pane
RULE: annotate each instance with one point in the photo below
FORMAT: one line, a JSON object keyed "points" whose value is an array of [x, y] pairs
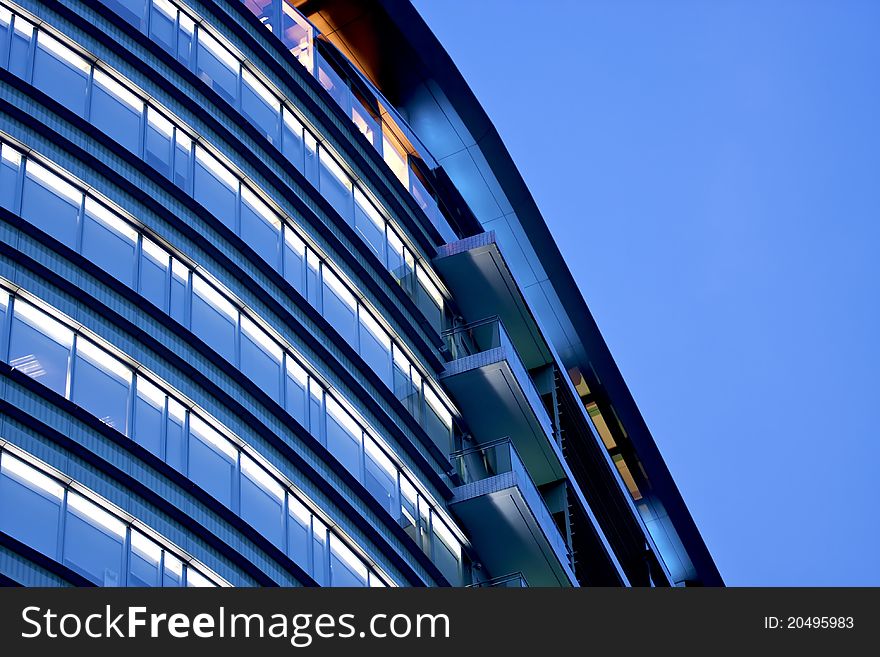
{"points": [[369, 224], [345, 568], [159, 140], [343, 437], [93, 541], [340, 307], [262, 502], [40, 347], [116, 111], [61, 73], [335, 186], [261, 359], [445, 551], [134, 11], [144, 561], [215, 188], [375, 347], [296, 35], [30, 505], [10, 163], [296, 384], [153, 282], [109, 242], [380, 477], [292, 140], [185, 37], [428, 299], [50, 203], [101, 385], [172, 575], [211, 461], [22, 34], [298, 531], [149, 415], [182, 159], [260, 227], [216, 66], [163, 24], [405, 388], [294, 261], [438, 421], [214, 319], [179, 290], [175, 435], [335, 85], [320, 561], [260, 106]]}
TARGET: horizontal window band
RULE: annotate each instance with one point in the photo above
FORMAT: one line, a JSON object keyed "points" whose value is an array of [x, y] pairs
{"points": [[205, 382]]}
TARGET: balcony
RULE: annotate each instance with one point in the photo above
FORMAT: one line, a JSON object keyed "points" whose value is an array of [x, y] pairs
{"points": [[506, 516], [493, 389]]}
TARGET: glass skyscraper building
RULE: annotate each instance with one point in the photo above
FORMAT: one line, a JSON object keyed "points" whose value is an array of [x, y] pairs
{"points": [[276, 308]]}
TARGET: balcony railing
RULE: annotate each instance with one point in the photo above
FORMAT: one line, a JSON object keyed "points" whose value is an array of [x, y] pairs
{"points": [[512, 581], [500, 457], [485, 335]]}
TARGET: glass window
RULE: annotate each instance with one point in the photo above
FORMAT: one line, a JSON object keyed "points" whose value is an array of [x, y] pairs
{"points": [[292, 145], [260, 227], [134, 11], [296, 384], [339, 307], [214, 319], [409, 500], [149, 416], [40, 347], [215, 188], [296, 35], [179, 290], [211, 460], [395, 156], [30, 505], [299, 526], [313, 286], [185, 36], [320, 561], [345, 568], [294, 261], [10, 163], [335, 85], [22, 34], [375, 347], [116, 111], [369, 224], [438, 421], [406, 382], [194, 579], [109, 242], [163, 24], [398, 263], [343, 437], [175, 435], [50, 203], [261, 359], [446, 551], [380, 476], [428, 299], [260, 106], [159, 141], [153, 283], [172, 571], [310, 163], [262, 501], [217, 66], [93, 541], [101, 385], [366, 124], [182, 159], [335, 186], [61, 73], [144, 561]]}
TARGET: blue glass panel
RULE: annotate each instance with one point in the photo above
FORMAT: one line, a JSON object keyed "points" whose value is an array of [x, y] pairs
{"points": [[182, 160], [9, 180], [175, 437], [259, 364], [101, 386], [116, 112], [259, 108], [216, 66], [153, 282], [30, 506], [19, 51], [109, 243], [213, 321], [262, 507], [294, 261], [335, 187], [320, 561], [296, 401], [343, 439], [339, 311], [298, 533], [158, 143], [5, 35], [179, 292], [163, 25], [218, 196], [185, 36], [40, 348], [211, 462], [370, 226], [380, 478], [344, 570], [260, 229], [149, 417], [144, 565], [375, 348], [292, 145], [50, 205], [93, 543], [60, 73]]}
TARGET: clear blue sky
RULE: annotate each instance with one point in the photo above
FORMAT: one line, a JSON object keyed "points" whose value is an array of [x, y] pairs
{"points": [[711, 171]]}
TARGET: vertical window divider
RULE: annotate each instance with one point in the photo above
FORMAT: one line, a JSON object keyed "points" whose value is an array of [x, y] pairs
{"points": [[126, 556], [62, 525], [71, 366]]}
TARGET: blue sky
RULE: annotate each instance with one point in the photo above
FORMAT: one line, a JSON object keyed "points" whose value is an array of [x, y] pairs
{"points": [[711, 171]]}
